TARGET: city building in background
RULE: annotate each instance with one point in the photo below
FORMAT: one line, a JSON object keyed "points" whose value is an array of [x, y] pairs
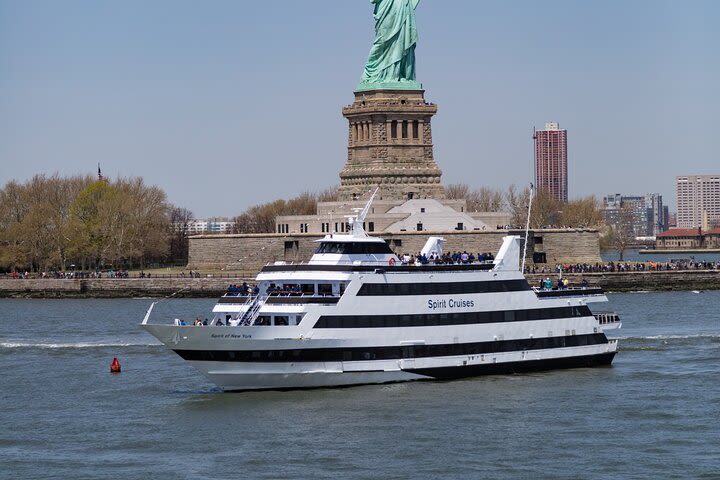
{"points": [[670, 219], [646, 214], [551, 162], [210, 225], [698, 201]]}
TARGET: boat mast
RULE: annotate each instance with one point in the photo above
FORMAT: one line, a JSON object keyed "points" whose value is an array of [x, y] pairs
{"points": [[527, 228], [359, 218]]}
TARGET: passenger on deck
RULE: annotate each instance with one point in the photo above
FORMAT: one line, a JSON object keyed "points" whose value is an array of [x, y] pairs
{"points": [[219, 323], [205, 322], [548, 284]]}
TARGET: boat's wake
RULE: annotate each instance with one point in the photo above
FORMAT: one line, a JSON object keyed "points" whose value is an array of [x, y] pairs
{"points": [[77, 345], [669, 337], [665, 342]]}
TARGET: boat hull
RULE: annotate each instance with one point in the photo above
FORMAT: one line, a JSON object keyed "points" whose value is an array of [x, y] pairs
{"points": [[239, 376]]}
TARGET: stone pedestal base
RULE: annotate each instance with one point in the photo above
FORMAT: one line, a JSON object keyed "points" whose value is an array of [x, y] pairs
{"points": [[390, 145]]}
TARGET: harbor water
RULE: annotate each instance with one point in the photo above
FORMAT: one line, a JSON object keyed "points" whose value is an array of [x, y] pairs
{"points": [[654, 414]]}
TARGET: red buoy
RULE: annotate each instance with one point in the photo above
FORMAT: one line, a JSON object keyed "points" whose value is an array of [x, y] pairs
{"points": [[115, 366]]}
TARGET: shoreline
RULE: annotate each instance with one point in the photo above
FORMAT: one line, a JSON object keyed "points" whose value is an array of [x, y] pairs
{"points": [[648, 251], [115, 287], [668, 280]]}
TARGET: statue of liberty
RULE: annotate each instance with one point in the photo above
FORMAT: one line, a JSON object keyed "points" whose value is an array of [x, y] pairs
{"points": [[391, 63]]}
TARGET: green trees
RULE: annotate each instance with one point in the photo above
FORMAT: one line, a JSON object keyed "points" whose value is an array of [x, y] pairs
{"points": [[52, 222]]}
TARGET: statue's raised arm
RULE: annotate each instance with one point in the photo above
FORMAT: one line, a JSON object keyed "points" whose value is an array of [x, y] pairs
{"points": [[391, 63]]}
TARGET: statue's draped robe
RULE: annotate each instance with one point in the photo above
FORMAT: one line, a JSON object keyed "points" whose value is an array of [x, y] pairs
{"points": [[392, 58]]}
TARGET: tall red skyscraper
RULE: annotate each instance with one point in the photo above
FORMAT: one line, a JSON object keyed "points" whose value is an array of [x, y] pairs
{"points": [[551, 161]]}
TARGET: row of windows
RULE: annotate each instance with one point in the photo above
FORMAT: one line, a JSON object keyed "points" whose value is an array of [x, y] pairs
{"points": [[393, 353], [402, 131], [277, 320], [442, 319], [445, 288], [348, 248]]}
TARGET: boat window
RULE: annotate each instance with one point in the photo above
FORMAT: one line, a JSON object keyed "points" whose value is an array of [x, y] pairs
{"points": [[367, 248], [262, 320], [324, 289], [342, 288], [331, 247], [307, 288], [281, 320]]}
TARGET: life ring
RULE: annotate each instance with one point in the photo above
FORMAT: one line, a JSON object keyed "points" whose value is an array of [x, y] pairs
{"points": [[391, 262]]}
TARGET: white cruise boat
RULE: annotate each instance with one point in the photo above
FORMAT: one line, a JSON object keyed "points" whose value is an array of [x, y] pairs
{"points": [[355, 314]]}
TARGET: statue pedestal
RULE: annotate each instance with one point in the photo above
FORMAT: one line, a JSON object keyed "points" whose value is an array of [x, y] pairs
{"points": [[390, 145]]}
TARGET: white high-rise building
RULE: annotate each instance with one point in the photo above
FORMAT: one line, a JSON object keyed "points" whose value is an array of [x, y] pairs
{"points": [[210, 225], [698, 201]]}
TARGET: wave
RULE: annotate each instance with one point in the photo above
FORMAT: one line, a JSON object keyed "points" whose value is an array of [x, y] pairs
{"points": [[669, 337], [11, 345]]}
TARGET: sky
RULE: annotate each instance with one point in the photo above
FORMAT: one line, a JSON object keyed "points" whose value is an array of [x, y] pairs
{"points": [[227, 104]]}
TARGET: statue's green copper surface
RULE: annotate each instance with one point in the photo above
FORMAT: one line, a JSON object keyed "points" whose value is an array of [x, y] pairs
{"points": [[391, 64]]}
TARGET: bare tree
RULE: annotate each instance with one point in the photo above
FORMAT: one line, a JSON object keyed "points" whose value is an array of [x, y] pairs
{"points": [[583, 212], [180, 219], [620, 234], [457, 191], [516, 202], [261, 218], [483, 199], [328, 195]]}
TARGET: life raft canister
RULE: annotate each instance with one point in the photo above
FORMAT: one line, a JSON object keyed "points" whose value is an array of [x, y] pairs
{"points": [[391, 262], [115, 366]]}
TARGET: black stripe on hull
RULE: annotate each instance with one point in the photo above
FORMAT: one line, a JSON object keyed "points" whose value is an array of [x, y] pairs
{"points": [[450, 373], [395, 352], [455, 318]]}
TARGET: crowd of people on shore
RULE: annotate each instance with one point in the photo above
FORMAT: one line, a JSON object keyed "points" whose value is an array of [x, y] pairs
{"points": [[454, 258], [682, 265], [70, 275], [59, 274]]}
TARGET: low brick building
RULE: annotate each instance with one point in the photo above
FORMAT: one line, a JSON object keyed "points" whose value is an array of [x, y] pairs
{"points": [[688, 238], [712, 238]]}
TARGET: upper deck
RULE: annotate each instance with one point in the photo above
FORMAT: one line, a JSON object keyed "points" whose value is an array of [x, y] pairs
{"points": [[374, 267]]}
